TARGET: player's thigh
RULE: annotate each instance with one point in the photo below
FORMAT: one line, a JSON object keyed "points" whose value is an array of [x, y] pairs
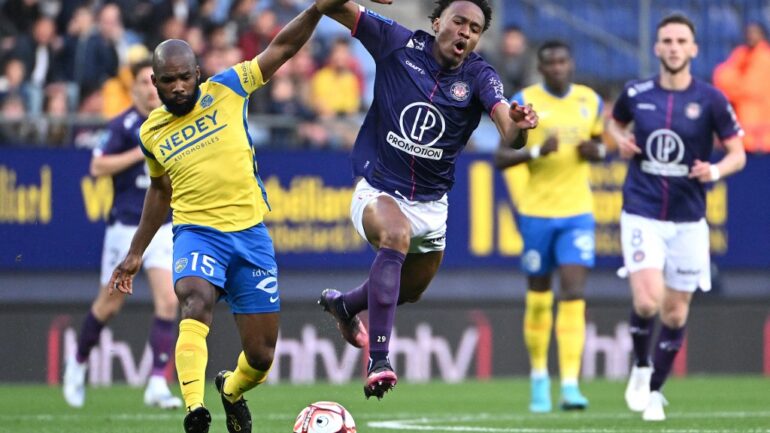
{"points": [[163, 296], [688, 263], [117, 239], [427, 222], [157, 262], [574, 241], [252, 275], [373, 211], [643, 241], [201, 252], [417, 273], [259, 334], [538, 234]]}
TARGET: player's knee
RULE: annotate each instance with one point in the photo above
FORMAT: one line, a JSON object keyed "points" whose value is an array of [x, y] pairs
{"points": [[571, 294], [260, 358], [645, 306], [674, 317], [396, 238]]}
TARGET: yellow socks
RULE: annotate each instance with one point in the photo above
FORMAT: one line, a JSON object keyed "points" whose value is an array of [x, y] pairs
{"points": [[571, 337], [191, 359], [538, 321], [244, 378]]}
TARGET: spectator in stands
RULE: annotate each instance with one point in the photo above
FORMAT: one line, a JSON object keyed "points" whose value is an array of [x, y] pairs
{"points": [[335, 89], [39, 52], [110, 25], [53, 130], [743, 79], [285, 101], [90, 57], [263, 28], [284, 10], [195, 37], [116, 91], [335, 95], [12, 80], [515, 61], [14, 129], [20, 14]]}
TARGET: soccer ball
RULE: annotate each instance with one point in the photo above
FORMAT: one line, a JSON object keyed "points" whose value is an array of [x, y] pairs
{"points": [[324, 417]]}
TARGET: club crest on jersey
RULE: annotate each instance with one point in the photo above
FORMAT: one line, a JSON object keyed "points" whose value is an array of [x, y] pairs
{"points": [[180, 265], [692, 110], [206, 101], [460, 91]]}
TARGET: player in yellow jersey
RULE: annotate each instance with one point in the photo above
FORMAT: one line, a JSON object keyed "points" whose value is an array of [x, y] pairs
{"points": [[202, 166], [555, 216]]}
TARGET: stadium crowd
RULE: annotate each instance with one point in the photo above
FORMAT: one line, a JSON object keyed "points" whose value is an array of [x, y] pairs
{"points": [[66, 70]]}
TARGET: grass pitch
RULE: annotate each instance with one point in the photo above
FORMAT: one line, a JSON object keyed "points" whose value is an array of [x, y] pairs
{"points": [[697, 405]]}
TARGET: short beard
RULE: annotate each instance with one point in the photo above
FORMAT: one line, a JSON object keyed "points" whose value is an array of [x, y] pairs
{"points": [[183, 108], [674, 71]]}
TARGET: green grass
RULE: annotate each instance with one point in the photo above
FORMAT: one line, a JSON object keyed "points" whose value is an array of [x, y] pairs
{"points": [[697, 405]]}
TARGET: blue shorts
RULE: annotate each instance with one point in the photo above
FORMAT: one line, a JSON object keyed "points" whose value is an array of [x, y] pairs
{"points": [[551, 242], [241, 264]]}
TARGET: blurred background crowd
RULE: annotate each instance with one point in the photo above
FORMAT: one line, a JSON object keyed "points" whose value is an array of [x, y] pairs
{"points": [[65, 64]]}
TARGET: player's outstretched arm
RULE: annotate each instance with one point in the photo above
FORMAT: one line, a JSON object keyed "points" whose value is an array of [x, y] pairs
{"points": [[157, 203], [513, 122], [343, 11], [107, 165], [288, 41], [623, 139], [733, 161], [506, 156]]}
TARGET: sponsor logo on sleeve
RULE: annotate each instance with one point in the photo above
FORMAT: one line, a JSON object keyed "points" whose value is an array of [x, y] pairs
{"points": [[379, 17]]}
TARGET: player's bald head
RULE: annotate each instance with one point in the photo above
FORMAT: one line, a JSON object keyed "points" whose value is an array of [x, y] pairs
{"points": [[173, 51]]}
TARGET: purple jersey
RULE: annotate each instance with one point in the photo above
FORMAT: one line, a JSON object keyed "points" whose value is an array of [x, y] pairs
{"points": [[422, 115], [673, 129], [130, 185]]}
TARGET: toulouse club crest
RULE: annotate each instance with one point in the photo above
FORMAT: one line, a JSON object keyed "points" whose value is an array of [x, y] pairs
{"points": [[460, 91]]}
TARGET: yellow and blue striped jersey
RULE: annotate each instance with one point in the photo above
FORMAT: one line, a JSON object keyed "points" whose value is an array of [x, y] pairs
{"points": [[558, 184], [208, 155]]}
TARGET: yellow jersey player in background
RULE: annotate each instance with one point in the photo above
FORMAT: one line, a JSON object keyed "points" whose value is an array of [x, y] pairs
{"points": [[201, 163], [555, 218]]}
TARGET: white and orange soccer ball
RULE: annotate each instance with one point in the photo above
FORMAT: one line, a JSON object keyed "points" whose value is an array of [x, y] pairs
{"points": [[324, 417]]}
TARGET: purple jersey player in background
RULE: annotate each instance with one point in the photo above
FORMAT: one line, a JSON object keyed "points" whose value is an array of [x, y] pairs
{"points": [[430, 92], [664, 233], [121, 158]]}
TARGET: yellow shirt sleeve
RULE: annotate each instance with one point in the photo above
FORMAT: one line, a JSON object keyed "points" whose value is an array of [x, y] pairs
{"points": [[249, 75], [598, 127]]}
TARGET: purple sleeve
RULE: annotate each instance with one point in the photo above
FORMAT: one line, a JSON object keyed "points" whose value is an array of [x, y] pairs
{"points": [[379, 35], [490, 89], [725, 121], [622, 109], [114, 140]]}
